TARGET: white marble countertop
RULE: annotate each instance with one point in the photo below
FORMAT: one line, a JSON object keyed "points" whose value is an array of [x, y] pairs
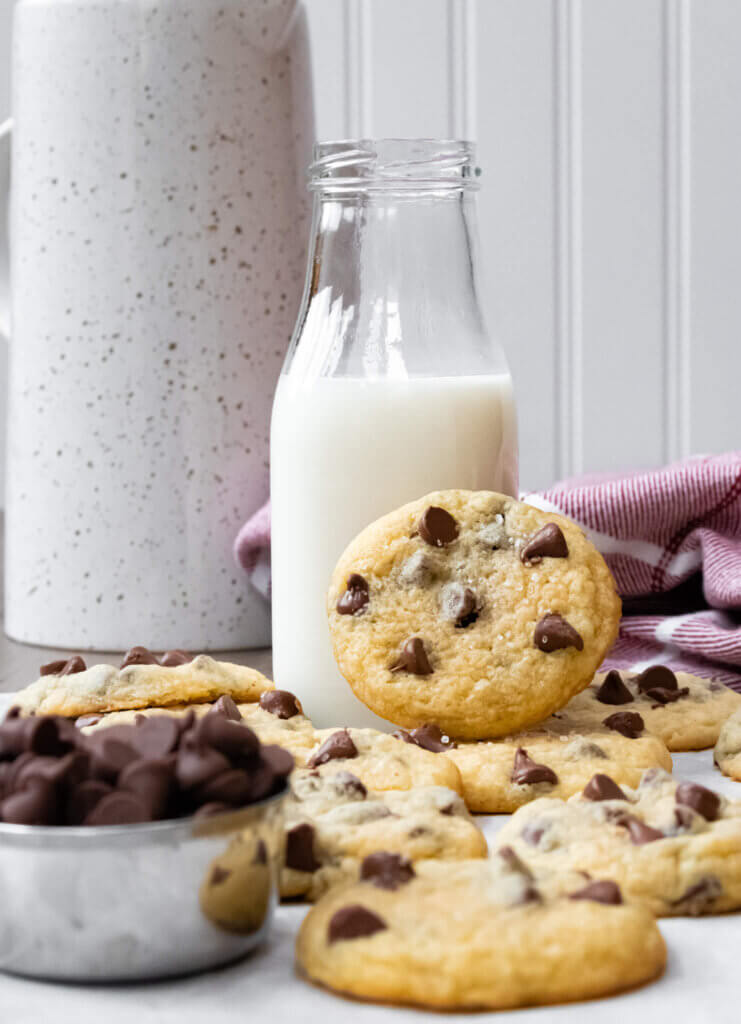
{"points": [[702, 982]]}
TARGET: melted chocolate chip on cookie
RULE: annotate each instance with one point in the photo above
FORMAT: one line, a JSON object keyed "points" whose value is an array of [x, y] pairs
{"points": [[280, 703], [356, 596], [640, 833], [613, 690], [601, 892], [437, 527], [64, 667], [704, 801], [526, 772], [387, 870], [627, 723], [602, 787], [300, 854], [700, 897], [338, 746], [429, 737], [354, 922], [554, 633], [413, 658], [656, 677], [549, 542]]}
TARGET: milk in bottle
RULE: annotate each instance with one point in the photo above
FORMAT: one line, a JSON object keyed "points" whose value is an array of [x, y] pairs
{"points": [[392, 387]]}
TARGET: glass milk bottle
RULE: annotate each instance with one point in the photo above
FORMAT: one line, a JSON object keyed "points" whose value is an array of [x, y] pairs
{"points": [[392, 386]]}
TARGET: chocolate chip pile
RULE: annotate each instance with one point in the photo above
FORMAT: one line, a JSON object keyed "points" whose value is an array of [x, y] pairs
{"points": [[160, 768]]}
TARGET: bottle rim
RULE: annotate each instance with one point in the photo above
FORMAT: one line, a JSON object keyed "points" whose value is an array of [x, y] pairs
{"points": [[394, 165]]}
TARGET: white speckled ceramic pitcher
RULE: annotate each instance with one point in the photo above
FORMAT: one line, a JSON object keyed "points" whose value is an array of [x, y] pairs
{"points": [[158, 228]]}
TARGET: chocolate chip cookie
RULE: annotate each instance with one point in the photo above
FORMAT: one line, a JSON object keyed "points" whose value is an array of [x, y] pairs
{"points": [[553, 759], [476, 935], [470, 610], [727, 753], [675, 847], [685, 711], [143, 680], [380, 761], [277, 718], [333, 821]]}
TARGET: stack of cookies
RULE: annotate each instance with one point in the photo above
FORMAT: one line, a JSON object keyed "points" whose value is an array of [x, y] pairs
{"points": [[475, 624]]}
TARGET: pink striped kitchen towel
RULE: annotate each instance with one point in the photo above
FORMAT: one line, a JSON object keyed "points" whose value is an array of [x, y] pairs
{"points": [[672, 538]]}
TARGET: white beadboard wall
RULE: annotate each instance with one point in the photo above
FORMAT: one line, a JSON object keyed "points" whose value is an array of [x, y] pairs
{"points": [[609, 134]]}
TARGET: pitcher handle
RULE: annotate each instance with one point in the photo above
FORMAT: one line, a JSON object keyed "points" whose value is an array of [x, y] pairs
{"points": [[5, 133]]}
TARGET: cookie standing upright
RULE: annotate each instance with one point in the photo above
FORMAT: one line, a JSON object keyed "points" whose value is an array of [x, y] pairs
{"points": [[476, 935], [470, 610]]}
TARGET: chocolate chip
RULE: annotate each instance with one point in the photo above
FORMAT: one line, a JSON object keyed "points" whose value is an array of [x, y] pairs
{"points": [[84, 798], [280, 761], [39, 735], [458, 604], [700, 897], [118, 809], [656, 677], [68, 770], [437, 527], [356, 596], [338, 746], [554, 633], [233, 787], [704, 801], [86, 720], [156, 736], [547, 543], [172, 659], [354, 922], [228, 737], [526, 772], [613, 690], [513, 862], [197, 764], [386, 870], [151, 781], [219, 875], [662, 696], [429, 737], [413, 658], [627, 723], [639, 832], [64, 667], [35, 804], [349, 784], [139, 656], [280, 703], [225, 706], [601, 892], [300, 849], [602, 787], [532, 834]]}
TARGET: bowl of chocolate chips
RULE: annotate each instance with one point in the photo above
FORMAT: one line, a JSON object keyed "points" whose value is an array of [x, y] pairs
{"points": [[137, 851]]}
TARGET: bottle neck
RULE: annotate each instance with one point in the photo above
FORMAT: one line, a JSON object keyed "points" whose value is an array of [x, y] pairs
{"points": [[392, 288]]}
